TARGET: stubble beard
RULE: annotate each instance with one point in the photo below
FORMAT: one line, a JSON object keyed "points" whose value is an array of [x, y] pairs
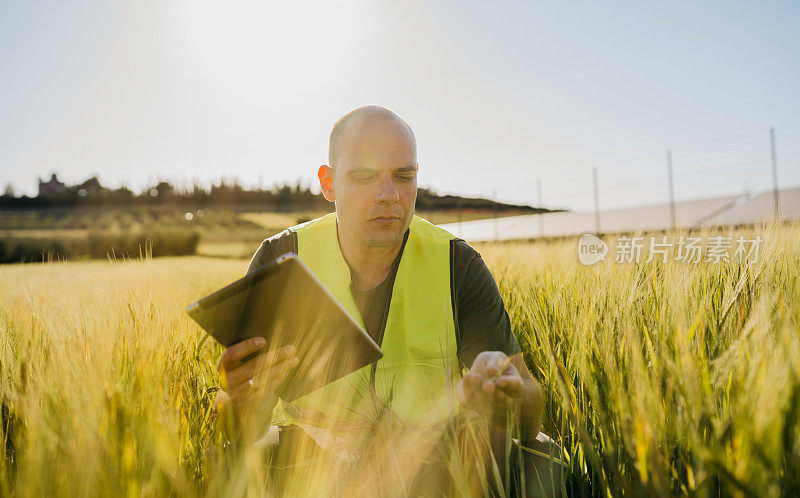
{"points": [[384, 239]]}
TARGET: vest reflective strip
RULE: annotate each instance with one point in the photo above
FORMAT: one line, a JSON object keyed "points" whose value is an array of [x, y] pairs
{"points": [[419, 369]]}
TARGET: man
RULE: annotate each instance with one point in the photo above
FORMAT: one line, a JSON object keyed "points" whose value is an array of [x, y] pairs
{"points": [[401, 278]]}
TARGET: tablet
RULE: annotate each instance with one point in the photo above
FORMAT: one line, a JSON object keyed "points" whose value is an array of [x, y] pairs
{"points": [[286, 304]]}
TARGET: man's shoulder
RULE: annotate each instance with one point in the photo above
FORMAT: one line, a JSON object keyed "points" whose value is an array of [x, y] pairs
{"points": [[463, 257], [273, 247], [470, 274], [463, 250]]}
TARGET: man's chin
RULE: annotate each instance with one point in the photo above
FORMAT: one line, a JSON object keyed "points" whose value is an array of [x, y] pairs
{"points": [[385, 239]]}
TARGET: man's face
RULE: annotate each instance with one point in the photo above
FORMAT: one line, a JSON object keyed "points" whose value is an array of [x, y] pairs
{"points": [[375, 183]]}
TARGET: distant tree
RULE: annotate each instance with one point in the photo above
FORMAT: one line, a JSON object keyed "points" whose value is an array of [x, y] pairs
{"points": [[121, 195], [164, 190], [280, 196]]}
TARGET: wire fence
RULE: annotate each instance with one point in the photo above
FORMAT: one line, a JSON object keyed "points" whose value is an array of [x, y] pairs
{"points": [[739, 164]]}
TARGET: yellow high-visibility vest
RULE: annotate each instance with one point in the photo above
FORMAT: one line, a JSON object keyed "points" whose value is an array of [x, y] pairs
{"points": [[419, 369]]}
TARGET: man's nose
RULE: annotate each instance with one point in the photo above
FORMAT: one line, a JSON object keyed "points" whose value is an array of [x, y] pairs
{"points": [[387, 191]]}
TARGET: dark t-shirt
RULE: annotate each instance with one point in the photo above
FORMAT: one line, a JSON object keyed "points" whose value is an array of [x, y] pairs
{"points": [[480, 318]]}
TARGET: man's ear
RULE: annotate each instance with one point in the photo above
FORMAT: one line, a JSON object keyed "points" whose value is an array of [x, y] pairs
{"points": [[325, 175]]}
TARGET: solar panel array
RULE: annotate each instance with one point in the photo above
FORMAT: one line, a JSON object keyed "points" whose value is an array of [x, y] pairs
{"points": [[716, 211], [760, 209]]}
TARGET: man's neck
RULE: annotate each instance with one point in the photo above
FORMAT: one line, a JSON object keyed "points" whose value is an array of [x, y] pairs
{"points": [[369, 266]]}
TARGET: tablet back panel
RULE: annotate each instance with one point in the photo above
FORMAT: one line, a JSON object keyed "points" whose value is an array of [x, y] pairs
{"points": [[287, 305]]}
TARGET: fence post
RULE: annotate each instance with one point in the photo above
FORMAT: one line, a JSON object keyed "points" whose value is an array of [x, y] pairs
{"points": [[774, 174], [541, 220], [671, 190], [494, 211], [596, 203]]}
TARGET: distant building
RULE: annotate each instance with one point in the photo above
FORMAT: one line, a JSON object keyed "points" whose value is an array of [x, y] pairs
{"points": [[91, 188], [52, 188]]}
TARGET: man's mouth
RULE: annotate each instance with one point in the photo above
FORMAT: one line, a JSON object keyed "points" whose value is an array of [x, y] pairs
{"points": [[385, 219]]}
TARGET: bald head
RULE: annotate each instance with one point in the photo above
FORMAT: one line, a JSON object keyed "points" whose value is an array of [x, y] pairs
{"points": [[357, 122], [372, 178]]}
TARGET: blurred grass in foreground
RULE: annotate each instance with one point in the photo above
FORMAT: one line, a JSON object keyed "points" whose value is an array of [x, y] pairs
{"points": [[660, 378]]}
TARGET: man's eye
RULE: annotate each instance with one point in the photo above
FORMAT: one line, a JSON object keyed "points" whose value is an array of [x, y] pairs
{"points": [[406, 178]]}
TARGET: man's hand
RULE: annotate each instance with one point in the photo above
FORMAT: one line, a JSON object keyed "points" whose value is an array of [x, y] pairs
{"points": [[252, 383], [492, 384]]}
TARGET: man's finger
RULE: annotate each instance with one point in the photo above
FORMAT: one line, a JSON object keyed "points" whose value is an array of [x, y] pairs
{"points": [[511, 385], [263, 381], [473, 384], [234, 354], [502, 367], [239, 374], [466, 389], [487, 359], [272, 376], [252, 367], [241, 392]]}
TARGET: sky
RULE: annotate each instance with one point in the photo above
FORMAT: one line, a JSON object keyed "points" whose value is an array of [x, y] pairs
{"points": [[500, 95]]}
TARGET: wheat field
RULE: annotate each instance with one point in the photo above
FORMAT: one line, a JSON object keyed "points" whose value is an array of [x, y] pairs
{"points": [[660, 378]]}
